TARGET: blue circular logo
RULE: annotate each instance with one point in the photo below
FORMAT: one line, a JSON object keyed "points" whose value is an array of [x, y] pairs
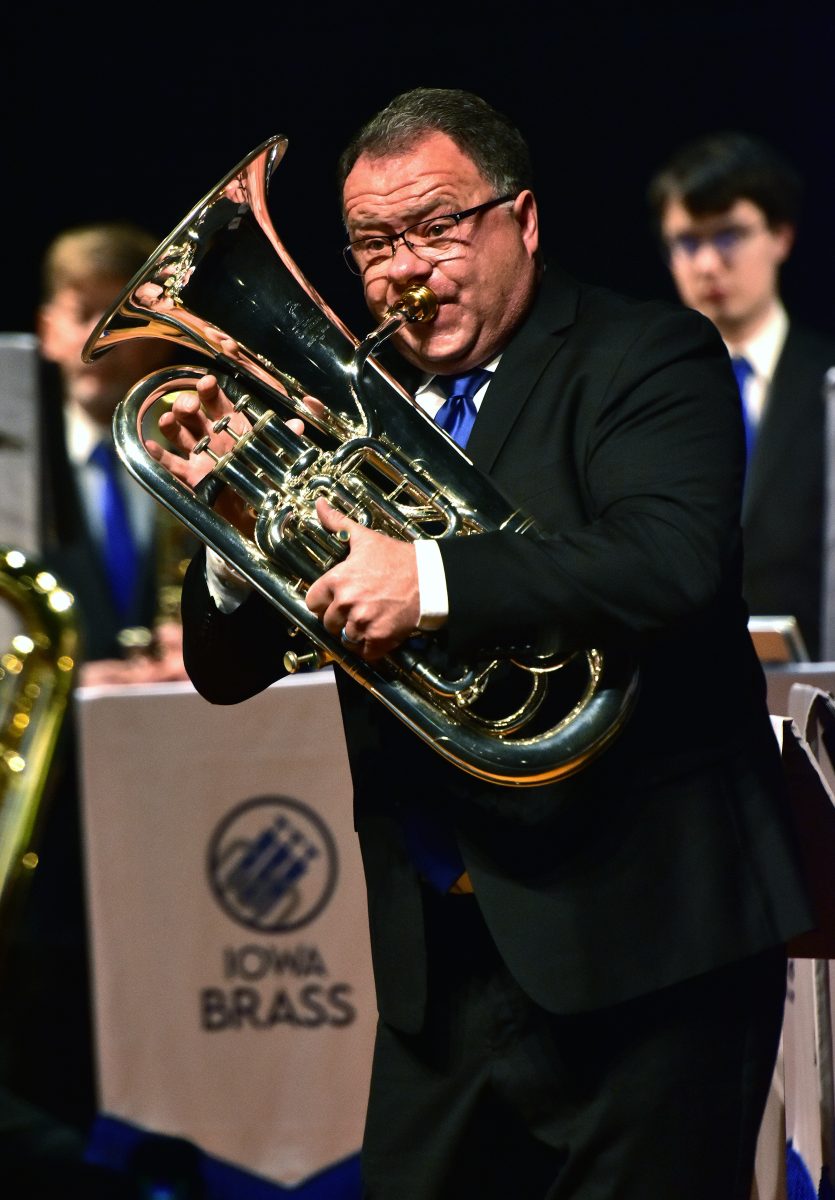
{"points": [[272, 864]]}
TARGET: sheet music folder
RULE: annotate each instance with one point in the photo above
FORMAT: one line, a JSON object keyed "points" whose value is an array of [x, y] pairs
{"points": [[778, 639]]}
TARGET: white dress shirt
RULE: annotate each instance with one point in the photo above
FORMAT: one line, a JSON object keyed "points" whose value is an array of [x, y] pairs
{"points": [[82, 437], [763, 352]]}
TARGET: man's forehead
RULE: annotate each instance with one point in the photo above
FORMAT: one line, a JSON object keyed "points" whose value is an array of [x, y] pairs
{"points": [[432, 170], [678, 215], [82, 289]]}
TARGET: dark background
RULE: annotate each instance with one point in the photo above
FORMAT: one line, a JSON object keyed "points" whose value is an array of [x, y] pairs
{"points": [[127, 111]]}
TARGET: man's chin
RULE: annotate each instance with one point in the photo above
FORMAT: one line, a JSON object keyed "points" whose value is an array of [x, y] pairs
{"points": [[437, 354], [98, 402], [715, 309]]}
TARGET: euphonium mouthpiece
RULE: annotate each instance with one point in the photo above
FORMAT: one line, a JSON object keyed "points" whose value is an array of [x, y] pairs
{"points": [[418, 303]]}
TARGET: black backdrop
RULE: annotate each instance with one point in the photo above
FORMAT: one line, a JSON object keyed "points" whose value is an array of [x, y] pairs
{"points": [[136, 111]]}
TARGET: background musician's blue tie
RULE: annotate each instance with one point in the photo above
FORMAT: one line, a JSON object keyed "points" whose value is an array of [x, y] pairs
{"points": [[458, 412], [120, 552], [743, 372]]}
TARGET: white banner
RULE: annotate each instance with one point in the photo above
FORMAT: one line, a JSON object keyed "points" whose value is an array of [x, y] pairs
{"points": [[232, 975], [795, 1149]]}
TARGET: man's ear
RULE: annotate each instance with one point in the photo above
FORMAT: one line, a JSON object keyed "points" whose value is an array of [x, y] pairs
{"points": [[784, 236], [46, 332], [525, 212]]}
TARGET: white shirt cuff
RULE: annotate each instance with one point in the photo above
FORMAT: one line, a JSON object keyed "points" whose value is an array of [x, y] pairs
{"points": [[227, 588], [434, 602]]}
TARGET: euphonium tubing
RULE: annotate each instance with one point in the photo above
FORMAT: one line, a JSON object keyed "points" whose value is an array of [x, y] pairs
{"points": [[36, 676], [223, 285]]}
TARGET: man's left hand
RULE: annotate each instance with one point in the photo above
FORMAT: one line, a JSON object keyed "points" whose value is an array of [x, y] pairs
{"points": [[371, 598]]}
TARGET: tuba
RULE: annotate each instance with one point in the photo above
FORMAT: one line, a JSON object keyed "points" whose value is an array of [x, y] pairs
{"points": [[36, 677], [223, 287]]}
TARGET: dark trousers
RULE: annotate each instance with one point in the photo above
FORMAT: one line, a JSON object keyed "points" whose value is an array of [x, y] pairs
{"points": [[659, 1098]]}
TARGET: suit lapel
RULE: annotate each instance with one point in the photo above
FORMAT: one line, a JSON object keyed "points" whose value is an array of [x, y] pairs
{"points": [[522, 364]]}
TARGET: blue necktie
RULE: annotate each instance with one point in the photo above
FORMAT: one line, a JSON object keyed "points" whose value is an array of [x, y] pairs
{"points": [[743, 372], [432, 847], [119, 547], [430, 843], [458, 412]]}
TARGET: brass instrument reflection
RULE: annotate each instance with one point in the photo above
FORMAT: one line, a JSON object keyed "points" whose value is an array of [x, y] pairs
{"points": [[223, 287], [37, 672]]}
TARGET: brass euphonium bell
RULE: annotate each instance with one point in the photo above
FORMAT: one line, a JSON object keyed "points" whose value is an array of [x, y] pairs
{"points": [[223, 286]]}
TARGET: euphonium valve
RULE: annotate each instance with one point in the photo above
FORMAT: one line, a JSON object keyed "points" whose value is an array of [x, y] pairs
{"points": [[223, 286]]}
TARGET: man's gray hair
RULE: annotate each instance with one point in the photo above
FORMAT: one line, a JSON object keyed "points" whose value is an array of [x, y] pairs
{"points": [[487, 137]]}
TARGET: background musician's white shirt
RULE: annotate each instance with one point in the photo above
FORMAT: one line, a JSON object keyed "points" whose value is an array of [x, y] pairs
{"points": [[82, 437], [763, 352]]}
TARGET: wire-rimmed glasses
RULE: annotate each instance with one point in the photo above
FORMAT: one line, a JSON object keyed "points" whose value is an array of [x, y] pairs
{"points": [[429, 239]]}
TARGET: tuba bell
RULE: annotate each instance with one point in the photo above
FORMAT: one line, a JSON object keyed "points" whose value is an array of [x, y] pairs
{"points": [[223, 287]]}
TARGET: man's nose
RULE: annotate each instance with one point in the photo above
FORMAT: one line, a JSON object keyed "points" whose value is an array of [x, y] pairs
{"points": [[86, 323], [706, 256], [406, 263]]}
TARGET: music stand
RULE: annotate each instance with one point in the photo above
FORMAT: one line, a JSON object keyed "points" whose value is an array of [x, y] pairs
{"points": [[778, 639]]}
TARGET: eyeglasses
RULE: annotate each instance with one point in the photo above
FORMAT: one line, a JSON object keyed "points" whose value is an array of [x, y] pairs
{"points": [[430, 238], [724, 241]]}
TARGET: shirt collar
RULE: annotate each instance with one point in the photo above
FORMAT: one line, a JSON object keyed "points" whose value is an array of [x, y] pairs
{"points": [[83, 434], [428, 386], [764, 349]]}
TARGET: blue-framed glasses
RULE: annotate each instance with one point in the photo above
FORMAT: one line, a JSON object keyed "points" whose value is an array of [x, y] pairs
{"points": [[725, 241]]}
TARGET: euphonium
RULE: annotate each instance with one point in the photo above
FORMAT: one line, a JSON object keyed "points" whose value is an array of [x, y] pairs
{"points": [[36, 676], [224, 287]]}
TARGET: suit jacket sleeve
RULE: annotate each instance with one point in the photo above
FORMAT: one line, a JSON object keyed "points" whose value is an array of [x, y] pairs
{"points": [[629, 451], [229, 657]]}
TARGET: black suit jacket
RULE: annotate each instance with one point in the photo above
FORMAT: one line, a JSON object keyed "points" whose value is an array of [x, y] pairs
{"points": [[616, 424], [68, 546], [783, 506]]}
